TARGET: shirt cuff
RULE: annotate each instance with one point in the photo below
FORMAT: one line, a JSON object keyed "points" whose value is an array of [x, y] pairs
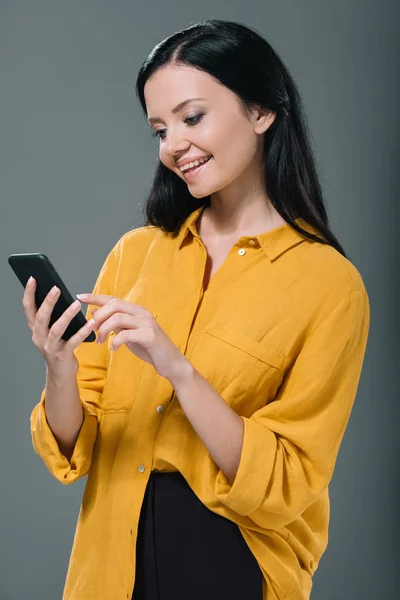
{"points": [[248, 490], [45, 444]]}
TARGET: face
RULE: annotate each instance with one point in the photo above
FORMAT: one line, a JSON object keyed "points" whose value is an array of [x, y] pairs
{"points": [[213, 125]]}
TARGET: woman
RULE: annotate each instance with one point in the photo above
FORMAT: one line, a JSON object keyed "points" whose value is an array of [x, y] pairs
{"points": [[232, 330]]}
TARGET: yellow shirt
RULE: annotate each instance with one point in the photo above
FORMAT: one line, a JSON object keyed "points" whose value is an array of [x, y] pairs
{"points": [[280, 334]]}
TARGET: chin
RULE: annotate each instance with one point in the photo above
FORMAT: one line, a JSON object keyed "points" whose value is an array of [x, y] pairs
{"points": [[199, 194]]}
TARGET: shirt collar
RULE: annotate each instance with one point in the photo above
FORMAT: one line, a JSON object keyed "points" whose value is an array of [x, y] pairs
{"points": [[273, 242]]}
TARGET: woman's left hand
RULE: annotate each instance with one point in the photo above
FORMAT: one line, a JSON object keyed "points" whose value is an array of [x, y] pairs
{"points": [[136, 327]]}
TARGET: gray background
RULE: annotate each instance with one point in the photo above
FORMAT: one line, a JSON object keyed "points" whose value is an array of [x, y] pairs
{"points": [[76, 159]]}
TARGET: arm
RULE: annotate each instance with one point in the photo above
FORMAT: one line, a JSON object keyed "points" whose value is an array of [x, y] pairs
{"points": [[289, 447], [64, 411], [215, 422], [67, 451]]}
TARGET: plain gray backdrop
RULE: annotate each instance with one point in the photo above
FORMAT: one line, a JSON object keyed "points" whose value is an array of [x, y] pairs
{"points": [[76, 159]]}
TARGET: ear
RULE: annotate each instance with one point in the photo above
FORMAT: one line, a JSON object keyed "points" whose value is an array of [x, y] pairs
{"points": [[262, 119]]}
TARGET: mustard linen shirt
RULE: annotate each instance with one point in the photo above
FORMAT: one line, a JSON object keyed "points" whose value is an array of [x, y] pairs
{"points": [[280, 334]]}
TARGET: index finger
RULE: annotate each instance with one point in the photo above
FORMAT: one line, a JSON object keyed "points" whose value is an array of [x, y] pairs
{"points": [[95, 299]]}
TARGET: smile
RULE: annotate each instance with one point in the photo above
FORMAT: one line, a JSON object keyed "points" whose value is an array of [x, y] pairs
{"points": [[196, 163], [198, 167]]}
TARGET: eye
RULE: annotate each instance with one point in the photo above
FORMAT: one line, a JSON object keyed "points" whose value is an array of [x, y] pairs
{"points": [[191, 122]]}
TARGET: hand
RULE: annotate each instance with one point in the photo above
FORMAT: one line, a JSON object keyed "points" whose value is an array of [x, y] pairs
{"points": [[58, 354], [136, 327]]}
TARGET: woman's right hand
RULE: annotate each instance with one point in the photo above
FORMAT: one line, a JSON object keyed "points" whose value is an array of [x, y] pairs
{"points": [[58, 354]]}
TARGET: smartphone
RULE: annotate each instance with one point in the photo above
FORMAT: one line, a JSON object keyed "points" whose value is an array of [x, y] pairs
{"points": [[40, 267]]}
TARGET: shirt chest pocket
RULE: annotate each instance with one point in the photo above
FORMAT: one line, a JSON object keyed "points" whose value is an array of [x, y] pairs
{"points": [[246, 373]]}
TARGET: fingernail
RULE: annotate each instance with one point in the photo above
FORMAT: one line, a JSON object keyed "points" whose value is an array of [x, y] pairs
{"points": [[30, 280], [81, 295]]}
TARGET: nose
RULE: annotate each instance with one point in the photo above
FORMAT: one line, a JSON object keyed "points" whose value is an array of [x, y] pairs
{"points": [[175, 145]]}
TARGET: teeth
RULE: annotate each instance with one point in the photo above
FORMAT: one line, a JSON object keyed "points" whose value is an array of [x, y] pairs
{"points": [[196, 163]]}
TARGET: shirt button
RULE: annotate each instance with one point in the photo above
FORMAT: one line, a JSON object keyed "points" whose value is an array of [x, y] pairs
{"points": [[160, 408], [252, 242], [142, 468], [242, 251]]}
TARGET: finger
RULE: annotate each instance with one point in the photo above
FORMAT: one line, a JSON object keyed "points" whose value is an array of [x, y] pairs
{"points": [[95, 299], [115, 323], [43, 314], [121, 338], [117, 305], [29, 304], [136, 336], [75, 340], [58, 328]]}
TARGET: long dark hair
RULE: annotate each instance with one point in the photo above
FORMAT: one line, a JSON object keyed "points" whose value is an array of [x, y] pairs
{"points": [[243, 61]]}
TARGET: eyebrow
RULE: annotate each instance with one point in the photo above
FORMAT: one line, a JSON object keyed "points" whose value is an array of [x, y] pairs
{"points": [[177, 108]]}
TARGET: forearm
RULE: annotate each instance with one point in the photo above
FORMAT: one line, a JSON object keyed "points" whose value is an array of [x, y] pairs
{"points": [[64, 411], [218, 426]]}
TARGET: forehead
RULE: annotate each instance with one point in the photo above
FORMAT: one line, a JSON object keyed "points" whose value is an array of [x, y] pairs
{"points": [[170, 85]]}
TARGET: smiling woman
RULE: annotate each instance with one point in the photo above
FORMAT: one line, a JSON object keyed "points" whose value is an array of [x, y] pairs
{"points": [[244, 112], [232, 333]]}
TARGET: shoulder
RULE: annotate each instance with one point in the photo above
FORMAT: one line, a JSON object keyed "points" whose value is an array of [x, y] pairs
{"points": [[139, 237], [329, 271], [135, 242], [328, 288], [126, 258]]}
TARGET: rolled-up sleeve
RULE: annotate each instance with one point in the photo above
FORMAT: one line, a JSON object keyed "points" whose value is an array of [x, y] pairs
{"points": [[45, 444], [91, 378], [291, 445]]}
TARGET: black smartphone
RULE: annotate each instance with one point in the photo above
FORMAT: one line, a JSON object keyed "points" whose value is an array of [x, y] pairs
{"points": [[40, 267]]}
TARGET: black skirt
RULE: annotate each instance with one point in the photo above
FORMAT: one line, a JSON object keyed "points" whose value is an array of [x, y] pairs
{"points": [[185, 551]]}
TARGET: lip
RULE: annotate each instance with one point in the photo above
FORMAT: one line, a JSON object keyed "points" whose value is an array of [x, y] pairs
{"points": [[191, 176]]}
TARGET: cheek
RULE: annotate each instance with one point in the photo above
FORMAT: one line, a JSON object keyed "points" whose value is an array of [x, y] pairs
{"points": [[227, 140], [240, 148]]}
